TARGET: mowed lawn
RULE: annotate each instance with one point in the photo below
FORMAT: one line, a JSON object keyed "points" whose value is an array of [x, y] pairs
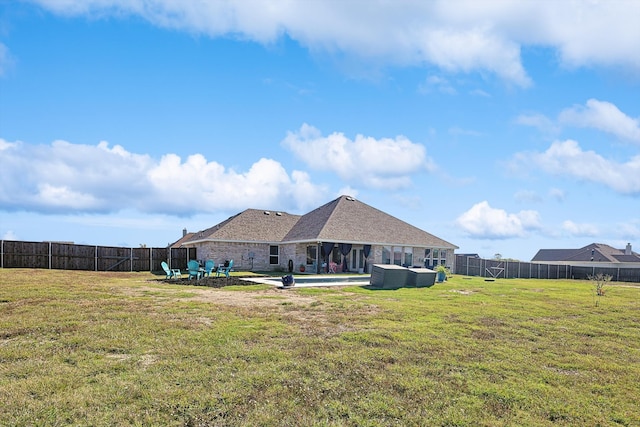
{"points": [[116, 349]]}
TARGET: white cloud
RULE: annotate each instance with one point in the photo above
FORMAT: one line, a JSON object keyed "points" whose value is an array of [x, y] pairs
{"points": [[378, 163], [483, 221], [580, 230], [459, 36], [566, 158], [603, 116], [6, 145], [65, 177], [629, 230]]}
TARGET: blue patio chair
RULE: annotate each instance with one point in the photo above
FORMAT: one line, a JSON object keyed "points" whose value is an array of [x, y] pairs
{"points": [[208, 267], [172, 273], [194, 269], [224, 269]]}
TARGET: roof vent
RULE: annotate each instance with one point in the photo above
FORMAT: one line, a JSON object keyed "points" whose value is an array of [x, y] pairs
{"points": [[278, 213], [350, 198], [267, 213]]}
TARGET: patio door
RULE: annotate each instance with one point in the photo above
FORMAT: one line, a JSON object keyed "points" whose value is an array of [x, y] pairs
{"points": [[357, 259]]}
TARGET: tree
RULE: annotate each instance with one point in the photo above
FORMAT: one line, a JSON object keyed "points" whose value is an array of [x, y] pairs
{"points": [[599, 281]]}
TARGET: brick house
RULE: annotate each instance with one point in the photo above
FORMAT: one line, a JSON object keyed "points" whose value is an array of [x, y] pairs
{"points": [[344, 231]]}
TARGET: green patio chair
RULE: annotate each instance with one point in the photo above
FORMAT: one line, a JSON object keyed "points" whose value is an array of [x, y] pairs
{"points": [[225, 269], [208, 267], [172, 273], [194, 269]]}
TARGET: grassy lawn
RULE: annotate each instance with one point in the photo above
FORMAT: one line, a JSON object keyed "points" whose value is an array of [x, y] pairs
{"points": [[84, 348]]}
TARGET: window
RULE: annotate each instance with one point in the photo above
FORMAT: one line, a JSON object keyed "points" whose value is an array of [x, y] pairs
{"points": [[336, 256], [427, 258], [312, 252], [443, 256], [273, 255], [436, 255], [408, 256], [357, 259], [397, 255], [386, 254]]}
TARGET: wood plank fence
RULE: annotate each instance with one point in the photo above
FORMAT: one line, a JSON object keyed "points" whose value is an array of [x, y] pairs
{"points": [[491, 268], [69, 256]]}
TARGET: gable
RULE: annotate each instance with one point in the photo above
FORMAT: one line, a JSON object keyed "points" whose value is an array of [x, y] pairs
{"points": [[251, 225], [346, 219]]}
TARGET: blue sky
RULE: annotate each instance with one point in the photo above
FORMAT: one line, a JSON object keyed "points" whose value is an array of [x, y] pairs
{"points": [[499, 126]]}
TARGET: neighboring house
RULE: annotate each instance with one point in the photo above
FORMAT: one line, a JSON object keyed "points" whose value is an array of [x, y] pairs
{"points": [[185, 237], [595, 252], [344, 231]]}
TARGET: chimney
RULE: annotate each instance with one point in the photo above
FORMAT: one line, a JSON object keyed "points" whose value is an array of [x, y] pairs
{"points": [[184, 232], [627, 250]]}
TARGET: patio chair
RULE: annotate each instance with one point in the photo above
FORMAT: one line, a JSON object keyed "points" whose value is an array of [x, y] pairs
{"points": [[194, 269], [172, 273], [224, 269], [209, 267]]}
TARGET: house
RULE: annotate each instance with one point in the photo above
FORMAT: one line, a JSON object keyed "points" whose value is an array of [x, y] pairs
{"points": [[595, 252], [186, 236], [345, 232]]}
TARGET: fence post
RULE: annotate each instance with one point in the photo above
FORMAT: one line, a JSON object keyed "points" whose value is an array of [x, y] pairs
{"points": [[95, 260], [2, 254], [519, 266], [49, 255]]}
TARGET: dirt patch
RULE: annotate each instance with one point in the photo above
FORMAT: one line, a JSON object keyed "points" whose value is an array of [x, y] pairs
{"points": [[211, 282], [201, 291], [462, 291]]}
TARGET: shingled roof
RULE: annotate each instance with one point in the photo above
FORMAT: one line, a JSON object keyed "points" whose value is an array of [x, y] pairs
{"points": [[251, 225], [598, 252], [348, 220], [344, 219]]}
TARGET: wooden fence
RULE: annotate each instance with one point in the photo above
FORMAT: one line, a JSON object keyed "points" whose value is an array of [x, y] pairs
{"points": [[491, 268], [68, 256]]}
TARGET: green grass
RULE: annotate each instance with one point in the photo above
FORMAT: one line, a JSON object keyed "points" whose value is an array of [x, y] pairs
{"points": [[84, 348]]}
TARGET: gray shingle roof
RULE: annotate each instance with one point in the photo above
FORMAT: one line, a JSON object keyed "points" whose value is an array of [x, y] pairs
{"points": [[251, 225], [346, 219], [553, 254], [342, 220], [600, 252], [182, 240]]}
